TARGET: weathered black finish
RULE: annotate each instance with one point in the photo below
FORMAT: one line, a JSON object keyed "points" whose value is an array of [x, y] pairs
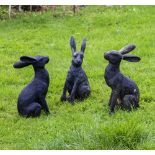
{"points": [[76, 82], [32, 98], [124, 90]]}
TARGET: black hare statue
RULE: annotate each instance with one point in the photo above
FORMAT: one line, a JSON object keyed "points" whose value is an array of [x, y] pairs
{"points": [[76, 82], [32, 98], [124, 90]]}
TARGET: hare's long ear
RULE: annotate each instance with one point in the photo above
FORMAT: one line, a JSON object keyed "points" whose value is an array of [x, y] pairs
{"points": [[131, 58], [83, 46], [20, 64], [28, 59], [24, 61], [73, 44], [127, 49]]}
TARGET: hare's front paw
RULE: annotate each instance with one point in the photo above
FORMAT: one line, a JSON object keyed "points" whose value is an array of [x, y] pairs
{"points": [[111, 113], [63, 98], [71, 99], [48, 113]]}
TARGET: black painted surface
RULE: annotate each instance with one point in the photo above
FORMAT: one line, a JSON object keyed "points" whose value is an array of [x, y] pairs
{"points": [[32, 98], [76, 82], [123, 88]]}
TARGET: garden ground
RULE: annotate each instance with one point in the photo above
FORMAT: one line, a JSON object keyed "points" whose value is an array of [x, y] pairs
{"points": [[87, 124]]}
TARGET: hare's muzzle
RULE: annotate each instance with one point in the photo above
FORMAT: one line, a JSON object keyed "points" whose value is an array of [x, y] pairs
{"points": [[46, 59], [106, 55]]}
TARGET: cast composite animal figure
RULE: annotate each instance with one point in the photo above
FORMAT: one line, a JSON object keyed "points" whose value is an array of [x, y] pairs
{"points": [[124, 90], [32, 98], [76, 82]]}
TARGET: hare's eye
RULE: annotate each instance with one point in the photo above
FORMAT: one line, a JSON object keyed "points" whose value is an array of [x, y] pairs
{"points": [[81, 56], [41, 59], [75, 55]]}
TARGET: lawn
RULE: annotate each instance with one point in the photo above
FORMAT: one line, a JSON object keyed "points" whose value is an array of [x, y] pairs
{"points": [[87, 124]]}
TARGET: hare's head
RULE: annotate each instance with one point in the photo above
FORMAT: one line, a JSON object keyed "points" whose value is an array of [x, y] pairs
{"points": [[37, 61], [77, 57], [115, 57]]}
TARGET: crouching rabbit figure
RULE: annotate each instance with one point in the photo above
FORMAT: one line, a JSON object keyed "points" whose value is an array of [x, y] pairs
{"points": [[32, 98], [76, 82], [124, 90]]}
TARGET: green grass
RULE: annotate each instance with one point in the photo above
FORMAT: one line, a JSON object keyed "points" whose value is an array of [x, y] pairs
{"points": [[86, 125]]}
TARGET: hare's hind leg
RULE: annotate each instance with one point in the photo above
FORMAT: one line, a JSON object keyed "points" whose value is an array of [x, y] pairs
{"points": [[34, 110], [129, 101], [83, 92]]}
